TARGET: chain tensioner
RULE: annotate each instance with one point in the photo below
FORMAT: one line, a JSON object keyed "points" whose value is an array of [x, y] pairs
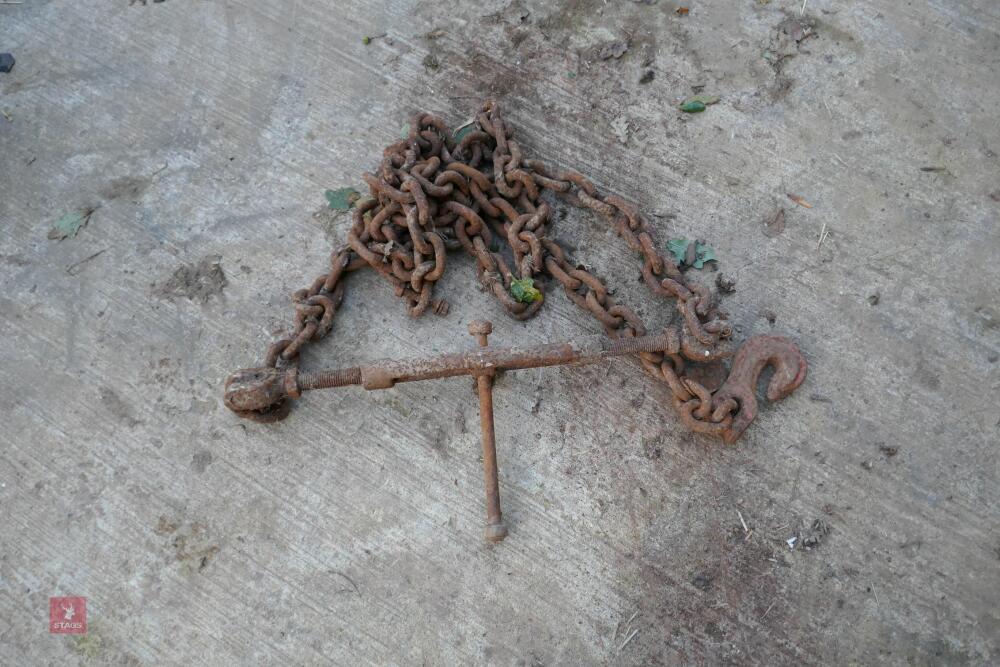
{"points": [[433, 193]]}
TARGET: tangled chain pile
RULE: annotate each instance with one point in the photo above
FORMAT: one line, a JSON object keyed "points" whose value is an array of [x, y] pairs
{"points": [[432, 194]]}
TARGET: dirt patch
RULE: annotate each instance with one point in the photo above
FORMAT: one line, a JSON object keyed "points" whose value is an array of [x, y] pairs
{"points": [[783, 45], [569, 18], [702, 581], [431, 63], [197, 282], [118, 408], [201, 460], [499, 78], [131, 187], [190, 543]]}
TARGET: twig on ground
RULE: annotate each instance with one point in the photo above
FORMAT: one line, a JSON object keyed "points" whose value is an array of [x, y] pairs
{"points": [[876, 596], [745, 529], [349, 580], [766, 611], [798, 200], [71, 267], [822, 236], [628, 639]]}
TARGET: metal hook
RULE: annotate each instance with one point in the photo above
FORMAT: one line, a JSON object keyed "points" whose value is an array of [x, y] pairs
{"points": [[750, 361]]}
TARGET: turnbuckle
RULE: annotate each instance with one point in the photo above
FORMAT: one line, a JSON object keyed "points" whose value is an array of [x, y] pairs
{"points": [[263, 390], [262, 393]]}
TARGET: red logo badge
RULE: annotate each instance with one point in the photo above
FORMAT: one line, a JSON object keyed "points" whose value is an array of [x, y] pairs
{"points": [[68, 615]]}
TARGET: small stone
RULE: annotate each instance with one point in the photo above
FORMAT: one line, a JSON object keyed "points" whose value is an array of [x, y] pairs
{"points": [[647, 76], [888, 450], [867, 465], [771, 316], [6, 62], [703, 581], [873, 298]]}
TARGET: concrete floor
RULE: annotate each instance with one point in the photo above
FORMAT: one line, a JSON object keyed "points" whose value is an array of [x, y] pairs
{"points": [[205, 133]]}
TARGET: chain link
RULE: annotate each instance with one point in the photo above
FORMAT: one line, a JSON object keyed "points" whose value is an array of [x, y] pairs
{"points": [[431, 194]]}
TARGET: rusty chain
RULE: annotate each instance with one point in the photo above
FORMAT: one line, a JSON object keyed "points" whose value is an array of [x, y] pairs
{"points": [[432, 194]]}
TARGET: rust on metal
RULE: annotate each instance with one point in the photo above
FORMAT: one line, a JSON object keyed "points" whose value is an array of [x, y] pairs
{"points": [[431, 194], [263, 388], [496, 529], [741, 386]]}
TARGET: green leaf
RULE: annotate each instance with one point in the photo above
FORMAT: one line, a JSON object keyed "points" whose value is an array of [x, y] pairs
{"points": [[404, 131], [678, 248], [703, 253], [462, 131], [342, 199], [704, 99], [366, 40], [693, 107], [68, 225], [524, 290]]}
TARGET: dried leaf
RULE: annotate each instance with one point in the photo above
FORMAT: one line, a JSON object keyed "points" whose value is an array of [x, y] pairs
{"points": [[794, 29], [342, 199], [71, 223], [524, 290], [725, 282], [683, 11], [775, 225], [799, 200]]}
